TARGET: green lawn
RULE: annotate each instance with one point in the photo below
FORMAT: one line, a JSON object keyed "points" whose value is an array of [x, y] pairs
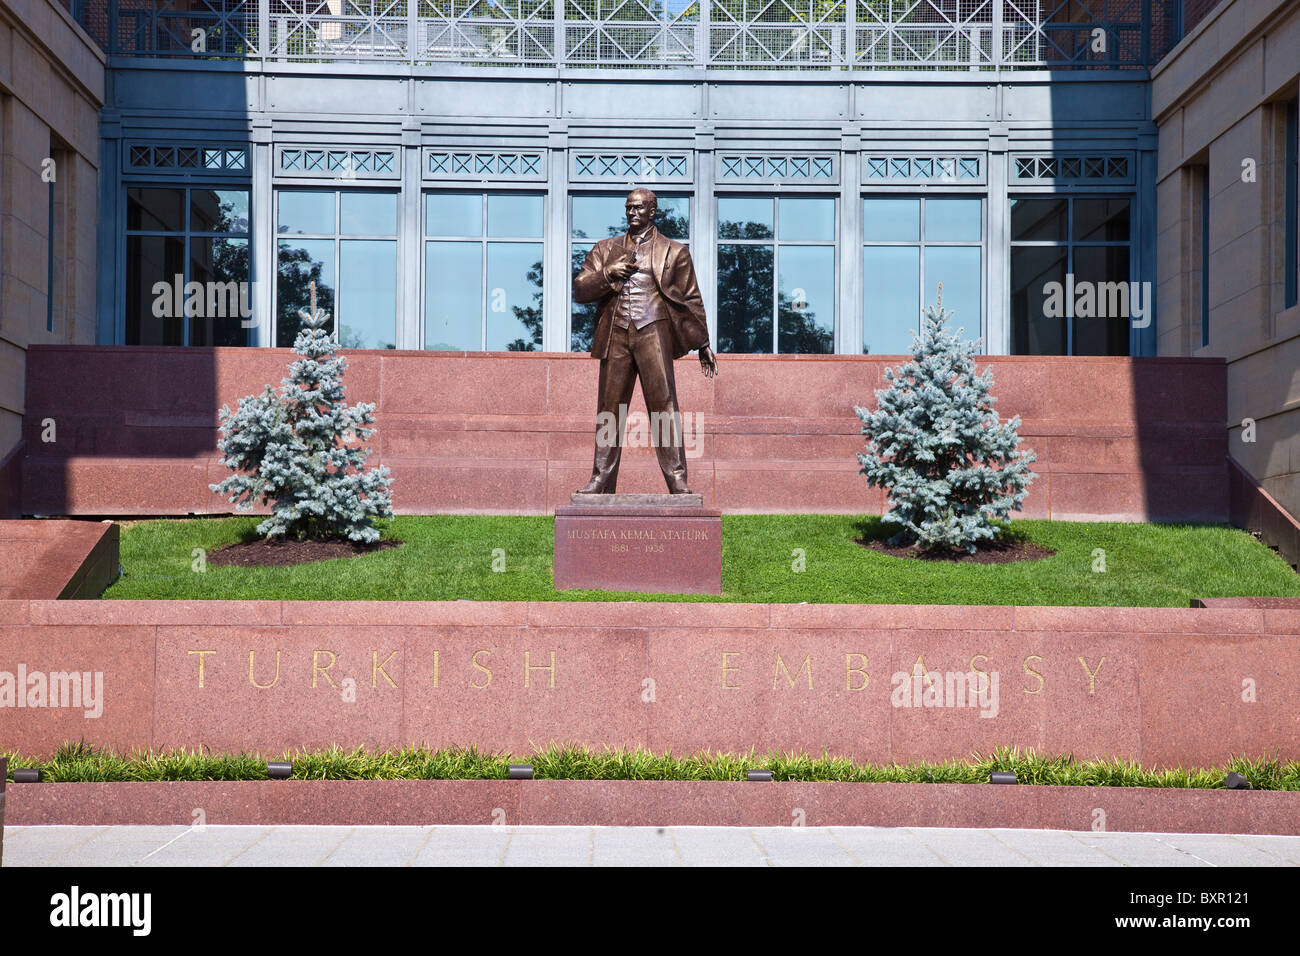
{"points": [[450, 557], [80, 763]]}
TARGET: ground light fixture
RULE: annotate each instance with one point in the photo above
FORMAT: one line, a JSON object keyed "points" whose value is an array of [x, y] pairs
{"points": [[27, 775], [1002, 776], [279, 770], [1235, 781], [759, 776], [520, 771]]}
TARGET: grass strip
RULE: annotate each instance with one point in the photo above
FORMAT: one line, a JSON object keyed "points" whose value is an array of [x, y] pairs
{"points": [[75, 763]]}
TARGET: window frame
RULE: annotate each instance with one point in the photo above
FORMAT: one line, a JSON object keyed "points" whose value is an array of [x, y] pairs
{"points": [[186, 234], [775, 241], [337, 237], [1069, 243], [484, 239], [921, 244]]}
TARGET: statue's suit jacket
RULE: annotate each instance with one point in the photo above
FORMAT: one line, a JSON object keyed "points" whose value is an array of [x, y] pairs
{"points": [[674, 276]]}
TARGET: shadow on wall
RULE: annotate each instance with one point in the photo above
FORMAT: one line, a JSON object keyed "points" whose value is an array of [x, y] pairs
{"points": [[1100, 215]]}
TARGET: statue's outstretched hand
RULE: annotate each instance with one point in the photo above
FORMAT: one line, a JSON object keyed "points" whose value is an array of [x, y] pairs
{"points": [[708, 362]]}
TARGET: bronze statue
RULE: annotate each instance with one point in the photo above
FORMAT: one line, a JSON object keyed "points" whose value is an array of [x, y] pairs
{"points": [[650, 313]]}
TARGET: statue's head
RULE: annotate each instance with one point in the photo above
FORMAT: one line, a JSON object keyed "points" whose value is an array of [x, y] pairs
{"points": [[641, 207]]}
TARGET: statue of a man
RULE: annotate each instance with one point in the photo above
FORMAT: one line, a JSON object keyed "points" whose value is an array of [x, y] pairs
{"points": [[650, 313]]}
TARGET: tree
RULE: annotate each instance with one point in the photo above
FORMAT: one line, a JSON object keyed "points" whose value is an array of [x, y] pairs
{"points": [[951, 470], [293, 450]]}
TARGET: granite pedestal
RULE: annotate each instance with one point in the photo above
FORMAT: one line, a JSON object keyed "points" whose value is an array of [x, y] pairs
{"points": [[653, 544]]}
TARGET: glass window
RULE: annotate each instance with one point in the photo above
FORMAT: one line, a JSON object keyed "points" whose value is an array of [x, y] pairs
{"points": [[453, 277], [187, 266], [356, 279], [453, 214], [902, 272], [514, 281], [597, 216], [155, 210], [1100, 220], [789, 239], [891, 220], [367, 293], [601, 216], [368, 214], [745, 217], [1105, 269], [1035, 330], [806, 297], [512, 214], [306, 213], [302, 262], [219, 210], [807, 218], [1070, 276], [483, 287], [151, 260], [958, 269], [1038, 220], [745, 297], [953, 220], [891, 283]]}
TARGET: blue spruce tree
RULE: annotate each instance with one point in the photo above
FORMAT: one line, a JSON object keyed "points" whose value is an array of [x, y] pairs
{"points": [[950, 469], [292, 450]]}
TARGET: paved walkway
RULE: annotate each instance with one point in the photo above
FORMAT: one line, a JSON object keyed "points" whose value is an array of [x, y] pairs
{"points": [[629, 846]]}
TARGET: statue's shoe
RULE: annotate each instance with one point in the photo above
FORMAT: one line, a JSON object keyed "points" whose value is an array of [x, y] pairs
{"points": [[593, 487]]}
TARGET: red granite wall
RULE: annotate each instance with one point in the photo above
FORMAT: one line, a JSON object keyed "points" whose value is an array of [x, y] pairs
{"points": [[649, 803], [1164, 686], [1253, 508], [134, 430], [11, 482]]}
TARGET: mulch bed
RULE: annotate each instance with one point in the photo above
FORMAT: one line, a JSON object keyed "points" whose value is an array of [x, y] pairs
{"points": [[986, 552], [264, 553]]}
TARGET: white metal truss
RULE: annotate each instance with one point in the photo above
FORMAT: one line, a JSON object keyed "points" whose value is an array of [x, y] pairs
{"points": [[630, 33], [211, 28], [659, 34]]}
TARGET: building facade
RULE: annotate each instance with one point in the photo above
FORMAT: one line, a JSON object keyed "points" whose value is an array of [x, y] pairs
{"points": [[439, 168], [51, 90], [1226, 103]]}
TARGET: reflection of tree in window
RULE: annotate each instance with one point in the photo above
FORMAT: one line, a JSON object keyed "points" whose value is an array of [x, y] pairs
{"points": [[746, 273], [744, 289], [799, 330], [297, 270], [530, 316], [201, 235], [229, 264]]}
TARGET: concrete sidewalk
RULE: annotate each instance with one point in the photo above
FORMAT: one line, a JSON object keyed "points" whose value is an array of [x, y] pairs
{"points": [[628, 846]]}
